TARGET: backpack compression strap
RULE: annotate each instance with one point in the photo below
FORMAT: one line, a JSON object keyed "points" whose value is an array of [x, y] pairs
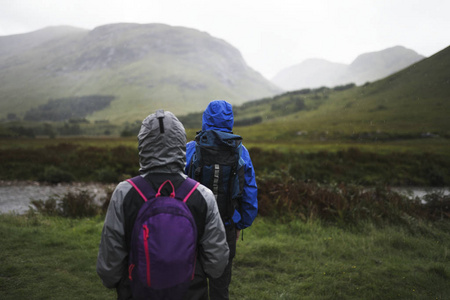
{"points": [[142, 187]]}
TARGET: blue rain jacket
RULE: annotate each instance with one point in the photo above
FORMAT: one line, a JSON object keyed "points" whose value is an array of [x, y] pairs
{"points": [[219, 116]]}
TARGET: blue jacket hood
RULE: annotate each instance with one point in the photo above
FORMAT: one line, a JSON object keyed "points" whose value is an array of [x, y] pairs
{"points": [[218, 116]]}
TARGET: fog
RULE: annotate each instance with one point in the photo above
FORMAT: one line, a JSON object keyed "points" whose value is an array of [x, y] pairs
{"points": [[269, 37]]}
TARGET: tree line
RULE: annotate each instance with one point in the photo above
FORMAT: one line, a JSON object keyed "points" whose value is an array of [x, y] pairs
{"points": [[68, 108]]}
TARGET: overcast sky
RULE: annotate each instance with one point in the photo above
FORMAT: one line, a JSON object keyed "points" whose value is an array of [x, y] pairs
{"points": [[271, 35]]}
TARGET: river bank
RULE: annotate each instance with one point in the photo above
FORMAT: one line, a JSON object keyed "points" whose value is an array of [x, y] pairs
{"points": [[421, 192], [16, 196]]}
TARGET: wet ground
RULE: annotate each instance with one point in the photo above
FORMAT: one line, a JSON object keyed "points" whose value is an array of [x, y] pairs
{"points": [[15, 196]]}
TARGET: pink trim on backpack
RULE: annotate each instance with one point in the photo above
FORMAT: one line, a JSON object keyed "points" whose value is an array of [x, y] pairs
{"points": [[137, 189], [190, 193], [172, 195], [147, 254]]}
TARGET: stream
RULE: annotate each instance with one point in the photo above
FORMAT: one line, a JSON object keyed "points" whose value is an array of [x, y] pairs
{"points": [[15, 196]]}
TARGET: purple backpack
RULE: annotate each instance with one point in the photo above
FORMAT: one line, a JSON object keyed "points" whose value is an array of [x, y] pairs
{"points": [[163, 242]]}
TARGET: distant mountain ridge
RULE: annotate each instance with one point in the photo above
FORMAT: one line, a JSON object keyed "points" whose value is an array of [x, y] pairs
{"points": [[313, 73], [144, 67], [410, 104]]}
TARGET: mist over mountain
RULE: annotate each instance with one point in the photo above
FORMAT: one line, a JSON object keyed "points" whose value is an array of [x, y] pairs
{"points": [[143, 67], [310, 73], [313, 73], [14, 45]]}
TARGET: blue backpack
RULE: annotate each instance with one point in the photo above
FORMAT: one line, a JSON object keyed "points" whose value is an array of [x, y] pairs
{"points": [[163, 242], [217, 164]]}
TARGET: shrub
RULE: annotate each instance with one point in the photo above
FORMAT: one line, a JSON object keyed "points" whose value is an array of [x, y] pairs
{"points": [[48, 207], [22, 131], [356, 166], [73, 205], [55, 175], [287, 198], [78, 205], [437, 206], [68, 108], [131, 129], [106, 175]]}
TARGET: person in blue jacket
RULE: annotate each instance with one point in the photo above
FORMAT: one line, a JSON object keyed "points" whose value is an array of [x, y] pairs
{"points": [[219, 116]]}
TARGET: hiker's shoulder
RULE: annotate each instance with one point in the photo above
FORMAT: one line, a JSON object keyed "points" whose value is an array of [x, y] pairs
{"points": [[121, 190], [190, 145], [206, 195]]}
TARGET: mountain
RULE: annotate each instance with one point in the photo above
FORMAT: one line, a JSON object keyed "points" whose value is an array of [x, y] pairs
{"points": [[366, 67], [409, 104], [310, 73], [142, 67]]}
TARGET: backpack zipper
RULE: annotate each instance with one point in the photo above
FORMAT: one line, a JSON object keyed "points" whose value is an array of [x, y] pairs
{"points": [[147, 254]]}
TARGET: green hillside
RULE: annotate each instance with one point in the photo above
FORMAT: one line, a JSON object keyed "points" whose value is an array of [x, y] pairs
{"points": [[144, 67], [412, 103], [141, 68]]}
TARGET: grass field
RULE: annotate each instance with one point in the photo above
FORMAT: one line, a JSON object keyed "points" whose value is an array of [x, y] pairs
{"points": [[54, 258]]}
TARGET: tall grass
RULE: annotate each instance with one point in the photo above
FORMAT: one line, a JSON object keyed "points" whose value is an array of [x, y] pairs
{"points": [[283, 197], [65, 162], [68, 161], [355, 166], [73, 205]]}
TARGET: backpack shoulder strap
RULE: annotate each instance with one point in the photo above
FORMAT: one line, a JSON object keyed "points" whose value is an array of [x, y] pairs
{"points": [[142, 187], [186, 189]]}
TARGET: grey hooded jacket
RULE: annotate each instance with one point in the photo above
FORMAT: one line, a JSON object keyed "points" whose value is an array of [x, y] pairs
{"points": [[162, 156]]}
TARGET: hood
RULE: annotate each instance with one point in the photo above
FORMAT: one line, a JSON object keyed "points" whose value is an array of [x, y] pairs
{"points": [[162, 144], [218, 116]]}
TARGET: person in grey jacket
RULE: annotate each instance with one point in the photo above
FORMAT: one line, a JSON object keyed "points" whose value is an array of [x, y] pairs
{"points": [[162, 156]]}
